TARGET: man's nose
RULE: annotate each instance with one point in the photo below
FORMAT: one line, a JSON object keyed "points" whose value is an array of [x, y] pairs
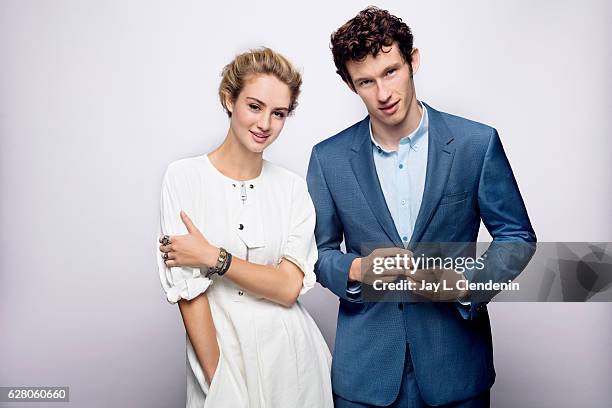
{"points": [[383, 94]]}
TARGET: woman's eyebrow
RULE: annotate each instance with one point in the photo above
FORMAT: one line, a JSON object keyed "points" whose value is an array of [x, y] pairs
{"points": [[264, 104]]}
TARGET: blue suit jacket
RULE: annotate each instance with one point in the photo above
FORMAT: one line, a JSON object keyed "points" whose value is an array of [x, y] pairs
{"points": [[468, 178]]}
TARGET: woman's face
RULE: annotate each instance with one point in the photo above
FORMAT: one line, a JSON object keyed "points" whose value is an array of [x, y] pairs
{"points": [[259, 112]]}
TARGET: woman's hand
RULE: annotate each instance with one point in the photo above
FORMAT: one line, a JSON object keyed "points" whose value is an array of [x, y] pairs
{"points": [[192, 249]]}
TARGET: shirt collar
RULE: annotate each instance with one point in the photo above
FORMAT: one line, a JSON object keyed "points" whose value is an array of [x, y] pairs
{"points": [[415, 138]]}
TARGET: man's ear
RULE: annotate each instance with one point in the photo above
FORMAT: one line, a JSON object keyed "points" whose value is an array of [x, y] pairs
{"points": [[416, 60]]}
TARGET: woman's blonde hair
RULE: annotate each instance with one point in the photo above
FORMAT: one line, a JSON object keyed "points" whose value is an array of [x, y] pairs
{"points": [[256, 62]]}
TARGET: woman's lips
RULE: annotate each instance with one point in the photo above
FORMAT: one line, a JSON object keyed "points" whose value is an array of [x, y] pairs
{"points": [[260, 137], [390, 109]]}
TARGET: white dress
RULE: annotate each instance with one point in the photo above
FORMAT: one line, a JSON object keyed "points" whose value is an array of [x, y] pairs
{"points": [[270, 355]]}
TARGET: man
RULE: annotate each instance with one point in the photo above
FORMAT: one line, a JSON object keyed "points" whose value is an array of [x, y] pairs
{"points": [[408, 174]]}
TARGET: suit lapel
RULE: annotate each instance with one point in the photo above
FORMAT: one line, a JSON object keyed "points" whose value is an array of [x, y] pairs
{"points": [[364, 169], [439, 161]]}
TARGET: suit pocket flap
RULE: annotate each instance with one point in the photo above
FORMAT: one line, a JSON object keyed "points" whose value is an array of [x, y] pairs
{"points": [[453, 198]]}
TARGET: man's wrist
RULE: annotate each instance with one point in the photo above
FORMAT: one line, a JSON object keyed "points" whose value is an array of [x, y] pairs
{"points": [[464, 296], [355, 271]]}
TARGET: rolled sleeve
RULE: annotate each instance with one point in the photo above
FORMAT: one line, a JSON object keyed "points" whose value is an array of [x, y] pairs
{"points": [[177, 282], [300, 247]]}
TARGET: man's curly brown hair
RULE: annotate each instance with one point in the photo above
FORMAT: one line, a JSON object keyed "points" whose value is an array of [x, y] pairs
{"points": [[366, 34]]}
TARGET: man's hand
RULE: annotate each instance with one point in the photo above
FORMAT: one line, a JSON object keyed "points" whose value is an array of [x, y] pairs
{"points": [[438, 284], [192, 249], [363, 269]]}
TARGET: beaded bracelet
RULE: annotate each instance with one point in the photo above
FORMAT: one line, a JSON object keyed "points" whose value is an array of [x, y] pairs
{"points": [[223, 263]]}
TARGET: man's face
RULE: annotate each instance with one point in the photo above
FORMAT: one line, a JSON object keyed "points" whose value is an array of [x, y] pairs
{"points": [[385, 85]]}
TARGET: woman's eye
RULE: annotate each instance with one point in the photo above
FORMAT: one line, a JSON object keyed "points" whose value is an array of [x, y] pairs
{"points": [[254, 106], [279, 114]]}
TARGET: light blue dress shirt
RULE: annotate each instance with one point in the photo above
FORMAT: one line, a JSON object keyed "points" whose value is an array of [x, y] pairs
{"points": [[402, 176]]}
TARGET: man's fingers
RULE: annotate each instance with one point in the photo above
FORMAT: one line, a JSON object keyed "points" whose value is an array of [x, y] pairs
{"points": [[384, 252], [382, 278], [404, 251], [422, 275], [388, 275], [395, 272], [387, 278], [392, 258], [188, 223], [391, 252]]}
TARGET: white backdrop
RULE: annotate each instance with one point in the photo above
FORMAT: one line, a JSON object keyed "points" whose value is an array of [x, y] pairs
{"points": [[97, 97]]}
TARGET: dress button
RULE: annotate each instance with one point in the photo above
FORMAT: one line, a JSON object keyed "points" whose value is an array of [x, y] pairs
{"points": [[240, 293], [240, 227], [400, 306]]}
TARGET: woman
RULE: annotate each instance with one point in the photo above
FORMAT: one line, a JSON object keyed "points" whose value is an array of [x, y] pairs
{"points": [[238, 265]]}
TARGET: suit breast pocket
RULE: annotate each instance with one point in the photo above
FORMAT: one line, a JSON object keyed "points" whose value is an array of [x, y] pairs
{"points": [[454, 198], [451, 209]]}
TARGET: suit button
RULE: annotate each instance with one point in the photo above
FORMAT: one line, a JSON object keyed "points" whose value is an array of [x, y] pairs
{"points": [[240, 293], [240, 227], [400, 306]]}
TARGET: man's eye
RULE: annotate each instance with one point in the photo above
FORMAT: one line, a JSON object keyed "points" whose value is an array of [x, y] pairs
{"points": [[279, 114], [364, 82], [391, 71], [254, 106]]}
